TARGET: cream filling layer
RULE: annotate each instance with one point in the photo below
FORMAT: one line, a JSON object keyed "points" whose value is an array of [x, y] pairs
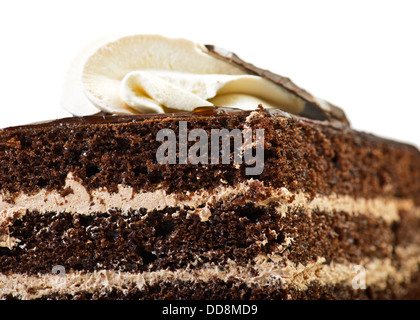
{"points": [[270, 270], [100, 200]]}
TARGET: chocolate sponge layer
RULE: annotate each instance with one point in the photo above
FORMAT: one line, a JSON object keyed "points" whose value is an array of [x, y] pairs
{"points": [[299, 154], [174, 238]]}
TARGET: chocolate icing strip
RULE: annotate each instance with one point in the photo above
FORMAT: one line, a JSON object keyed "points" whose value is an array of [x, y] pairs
{"points": [[312, 108]]}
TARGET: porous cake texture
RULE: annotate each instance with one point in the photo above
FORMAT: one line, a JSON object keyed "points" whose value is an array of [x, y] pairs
{"points": [[87, 212]]}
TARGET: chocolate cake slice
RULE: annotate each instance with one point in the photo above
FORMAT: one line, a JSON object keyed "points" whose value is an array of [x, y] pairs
{"points": [[138, 206], [86, 196]]}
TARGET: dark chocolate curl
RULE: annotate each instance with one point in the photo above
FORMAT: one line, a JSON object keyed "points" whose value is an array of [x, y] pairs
{"points": [[312, 108]]}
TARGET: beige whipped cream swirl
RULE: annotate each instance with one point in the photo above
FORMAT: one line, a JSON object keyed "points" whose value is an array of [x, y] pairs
{"points": [[155, 91], [155, 74]]}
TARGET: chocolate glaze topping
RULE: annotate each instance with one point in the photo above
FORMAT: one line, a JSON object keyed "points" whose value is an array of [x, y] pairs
{"points": [[108, 118]]}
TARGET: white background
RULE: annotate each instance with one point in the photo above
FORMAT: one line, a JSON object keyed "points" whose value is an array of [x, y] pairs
{"points": [[361, 55]]}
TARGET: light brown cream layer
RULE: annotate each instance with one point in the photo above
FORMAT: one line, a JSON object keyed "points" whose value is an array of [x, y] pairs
{"points": [[100, 200], [263, 271]]}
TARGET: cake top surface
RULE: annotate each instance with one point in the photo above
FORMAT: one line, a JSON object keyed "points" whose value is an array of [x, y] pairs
{"points": [[104, 118]]}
